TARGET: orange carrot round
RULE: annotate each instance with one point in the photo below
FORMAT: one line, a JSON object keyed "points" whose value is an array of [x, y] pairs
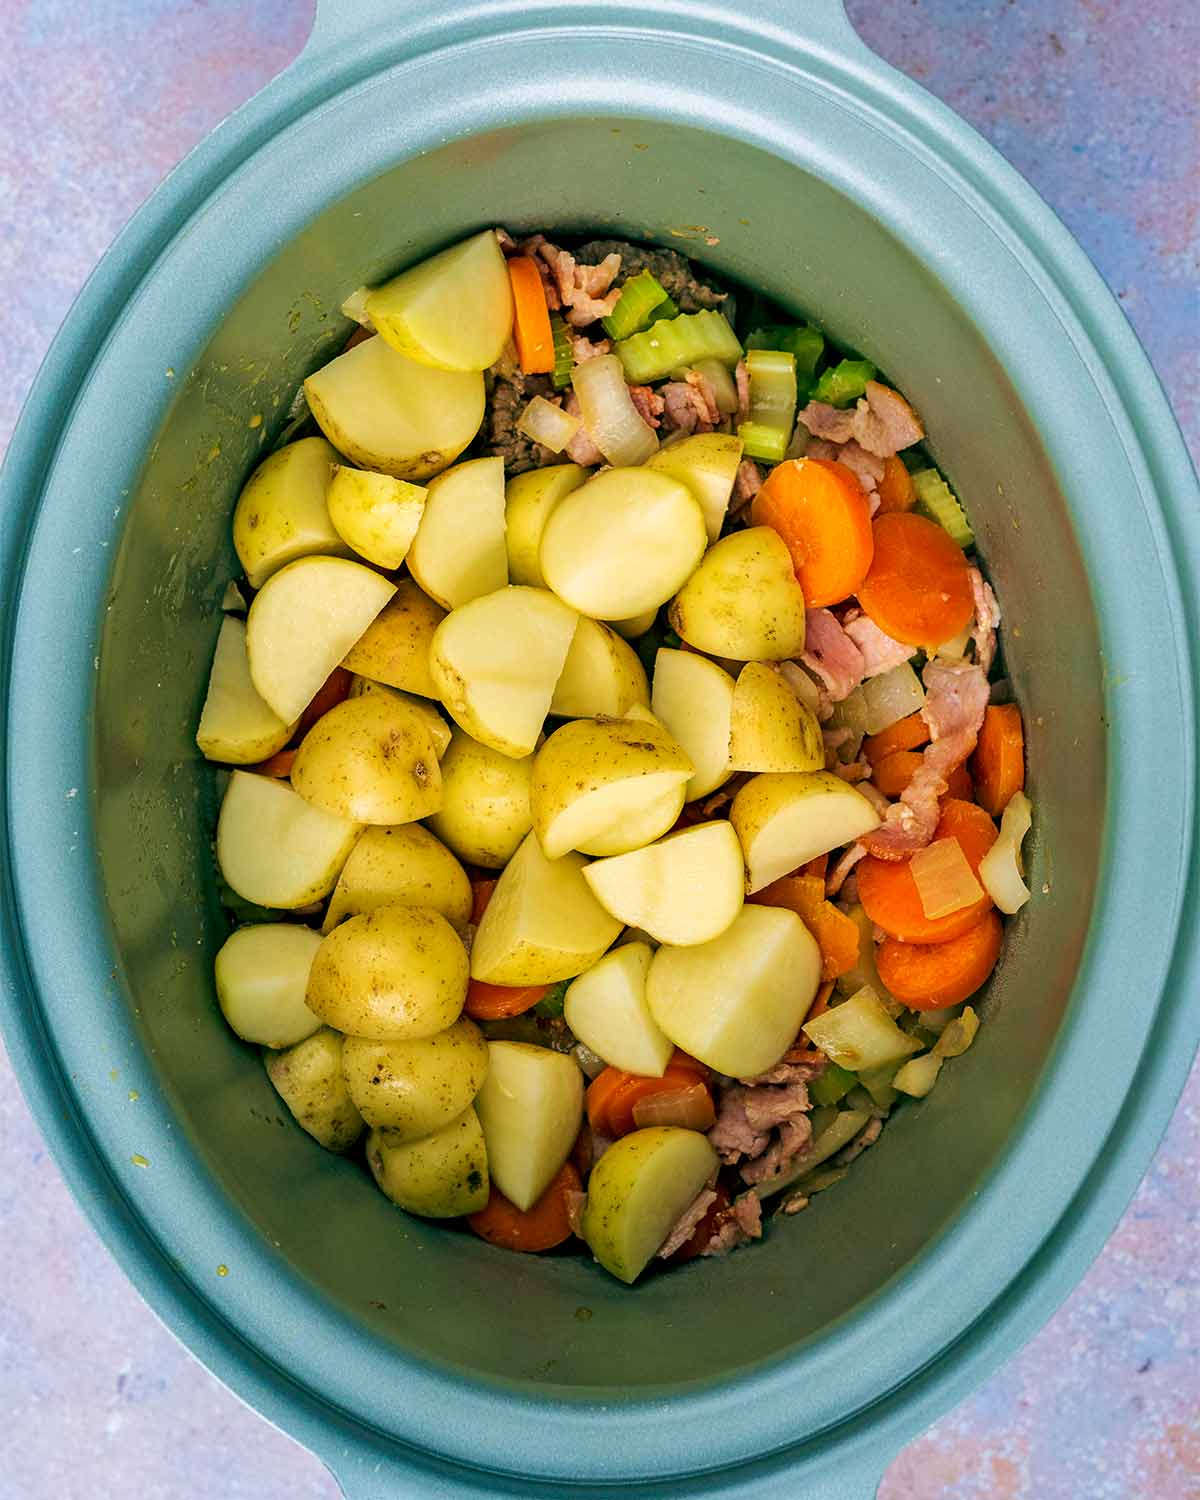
{"points": [[927, 976], [541, 1227], [918, 588], [531, 317], [894, 772], [820, 510], [905, 734], [998, 764], [331, 692], [611, 1096], [836, 935], [492, 1002], [895, 489], [889, 893]]}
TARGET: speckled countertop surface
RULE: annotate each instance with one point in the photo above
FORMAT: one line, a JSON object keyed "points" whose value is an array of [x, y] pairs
{"points": [[1096, 102]]}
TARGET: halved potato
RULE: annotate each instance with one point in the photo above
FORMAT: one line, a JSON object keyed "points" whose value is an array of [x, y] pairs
{"points": [[638, 1191], [530, 499], [308, 1078], [275, 849], [261, 975], [707, 463], [594, 779], [495, 663], [370, 759], [542, 924], [743, 601], [404, 865], [784, 820], [454, 311], [635, 625], [282, 513], [389, 413], [485, 802], [694, 699], [375, 514], [413, 1088], [737, 1002], [459, 553], [441, 1176], [622, 543], [687, 888], [236, 725], [769, 728], [601, 675], [606, 1009], [436, 727], [530, 1107], [394, 648], [303, 621]]}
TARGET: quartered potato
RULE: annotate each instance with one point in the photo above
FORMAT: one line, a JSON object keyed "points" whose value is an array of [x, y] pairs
{"points": [[485, 802], [302, 623], [530, 1107], [606, 1009], [459, 551], [601, 675], [371, 759], [262, 976], [440, 1176], [769, 728], [413, 1088], [308, 1078], [405, 866], [375, 514], [436, 727], [283, 512], [694, 699], [275, 849], [684, 889], [743, 601], [635, 625], [530, 499], [389, 413], [785, 820], [236, 725], [707, 463], [394, 648]]}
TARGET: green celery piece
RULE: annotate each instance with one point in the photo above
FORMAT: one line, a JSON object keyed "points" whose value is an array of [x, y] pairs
{"points": [[804, 341], [673, 342], [843, 383], [666, 309], [772, 404], [551, 1003], [833, 1084], [640, 295], [760, 441], [564, 355], [937, 501]]}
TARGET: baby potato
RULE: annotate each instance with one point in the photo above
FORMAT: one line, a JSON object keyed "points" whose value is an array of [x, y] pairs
{"points": [[530, 1107], [370, 759], [394, 648], [485, 802], [530, 499], [601, 675], [375, 514], [769, 728], [785, 819], [458, 553], [439, 730], [416, 1087], [275, 849], [707, 463], [606, 1009], [694, 699], [283, 513], [236, 726], [392, 974], [308, 1078], [391, 414], [261, 975], [441, 1176], [743, 601], [404, 865]]}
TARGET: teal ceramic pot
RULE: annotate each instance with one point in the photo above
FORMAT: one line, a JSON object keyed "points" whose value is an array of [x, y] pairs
{"points": [[766, 141]]}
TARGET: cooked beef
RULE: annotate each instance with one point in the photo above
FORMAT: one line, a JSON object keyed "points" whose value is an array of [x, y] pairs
{"points": [[831, 654], [512, 391], [687, 1223]]}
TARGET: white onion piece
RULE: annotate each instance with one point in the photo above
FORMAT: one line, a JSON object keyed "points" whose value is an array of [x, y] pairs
{"points": [[958, 1035], [355, 307], [723, 387], [690, 1108], [851, 714], [1000, 870], [548, 424], [892, 697], [944, 879], [801, 684], [612, 421], [918, 1075], [955, 648]]}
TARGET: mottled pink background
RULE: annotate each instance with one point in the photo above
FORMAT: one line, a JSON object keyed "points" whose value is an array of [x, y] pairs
{"points": [[1096, 102]]}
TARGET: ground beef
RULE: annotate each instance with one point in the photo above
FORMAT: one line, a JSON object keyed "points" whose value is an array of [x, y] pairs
{"points": [[512, 392], [672, 271]]}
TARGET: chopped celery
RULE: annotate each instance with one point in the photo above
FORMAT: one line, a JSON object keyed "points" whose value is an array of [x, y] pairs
{"points": [[829, 1086], [918, 1075], [859, 1033], [859, 1098], [843, 383], [772, 404], [640, 295], [805, 342], [551, 1003], [958, 1035], [667, 309], [825, 1143], [936, 500], [878, 1083], [564, 354], [818, 1181], [822, 1118], [673, 342], [760, 441]]}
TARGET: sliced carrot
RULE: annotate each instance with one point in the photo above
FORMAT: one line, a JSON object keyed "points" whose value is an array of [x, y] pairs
{"points": [[894, 772], [481, 893], [889, 893], [905, 734], [531, 317], [718, 1209], [820, 510], [918, 588], [611, 1096], [927, 976], [818, 866], [895, 489], [598, 1099], [836, 935], [331, 692], [541, 1227], [491, 1002], [998, 764], [279, 764]]}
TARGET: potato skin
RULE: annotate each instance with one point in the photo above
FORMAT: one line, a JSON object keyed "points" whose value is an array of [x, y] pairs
{"points": [[392, 974], [414, 1088], [394, 649], [308, 1078], [485, 802], [372, 759], [402, 865], [743, 601], [441, 1176]]}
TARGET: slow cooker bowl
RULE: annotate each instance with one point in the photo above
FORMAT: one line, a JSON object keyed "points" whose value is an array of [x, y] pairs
{"points": [[795, 163]]}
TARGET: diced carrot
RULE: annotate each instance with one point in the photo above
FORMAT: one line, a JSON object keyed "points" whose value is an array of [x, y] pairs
{"points": [[279, 764], [998, 764], [531, 316], [541, 1227], [895, 489], [918, 588], [331, 692], [481, 894], [820, 510], [836, 935], [889, 893], [909, 733], [491, 1002], [928, 976], [706, 1228], [895, 771], [599, 1097], [818, 866], [612, 1095]]}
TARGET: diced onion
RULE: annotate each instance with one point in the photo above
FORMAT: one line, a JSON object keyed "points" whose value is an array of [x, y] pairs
{"points": [[851, 714], [690, 1108], [548, 424], [614, 424], [892, 697], [918, 1075], [859, 1033], [723, 387], [1001, 867], [945, 881], [958, 1035], [801, 684], [956, 647], [355, 307]]}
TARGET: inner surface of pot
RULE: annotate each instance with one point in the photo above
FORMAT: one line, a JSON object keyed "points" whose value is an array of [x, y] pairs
{"points": [[438, 1294]]}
